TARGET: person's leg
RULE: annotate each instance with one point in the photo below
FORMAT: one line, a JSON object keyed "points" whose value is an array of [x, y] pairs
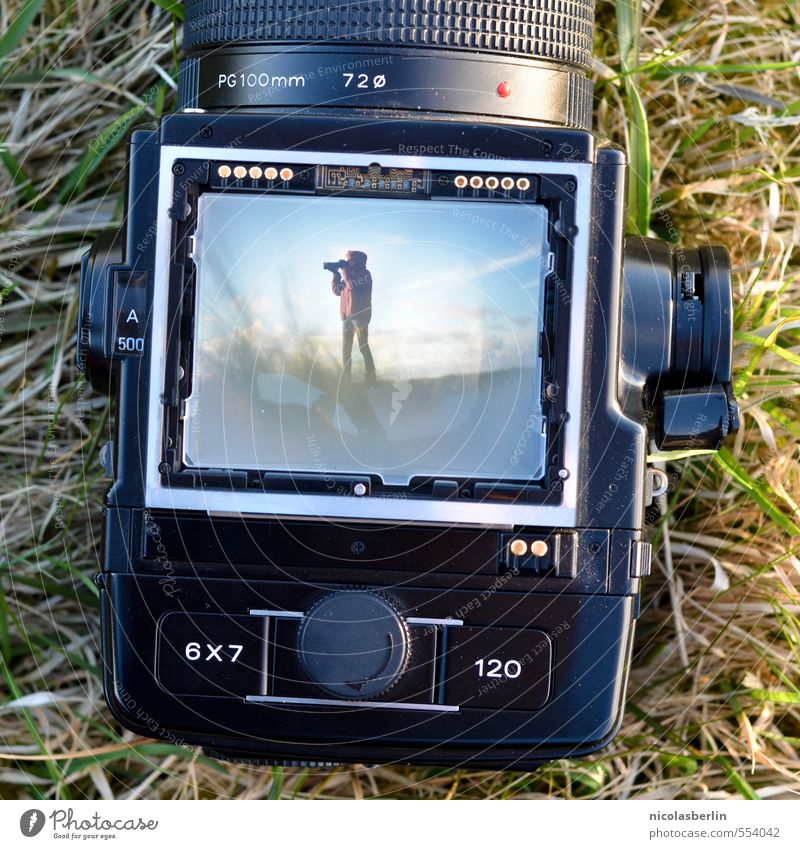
{"points": [[363, 344], [347, 349]]}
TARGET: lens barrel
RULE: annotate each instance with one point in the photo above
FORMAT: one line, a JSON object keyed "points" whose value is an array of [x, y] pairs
{"points": [[540, 50], [553, 30]]}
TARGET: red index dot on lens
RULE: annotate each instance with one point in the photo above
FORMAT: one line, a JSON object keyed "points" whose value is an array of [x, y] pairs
{"points": [[504, 89]]}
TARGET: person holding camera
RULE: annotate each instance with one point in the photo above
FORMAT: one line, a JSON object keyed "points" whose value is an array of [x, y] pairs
{"points": [[353, 286]]}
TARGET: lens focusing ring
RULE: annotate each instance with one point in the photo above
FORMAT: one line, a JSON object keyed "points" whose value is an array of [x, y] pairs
{"points": [[552, 30]]}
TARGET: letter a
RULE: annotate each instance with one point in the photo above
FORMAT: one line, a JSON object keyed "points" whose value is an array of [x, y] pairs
{"points": [[132, 317]]}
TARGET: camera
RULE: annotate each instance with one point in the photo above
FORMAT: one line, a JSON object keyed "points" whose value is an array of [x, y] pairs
{"points": [[400, 521], [334, 267]]}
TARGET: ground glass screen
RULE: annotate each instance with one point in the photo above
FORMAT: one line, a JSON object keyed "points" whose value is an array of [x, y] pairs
{"points": [[417, 357]]}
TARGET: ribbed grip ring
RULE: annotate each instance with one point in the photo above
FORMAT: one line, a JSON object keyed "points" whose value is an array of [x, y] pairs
{"points": [[554, 30]]}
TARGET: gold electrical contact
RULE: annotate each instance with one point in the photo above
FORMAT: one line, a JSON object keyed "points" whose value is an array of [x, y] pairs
{"points": [[518, 547], [539, 548]]}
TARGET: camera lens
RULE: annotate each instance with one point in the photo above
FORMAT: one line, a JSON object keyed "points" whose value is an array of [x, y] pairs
{"points": [[553, 30], [525, 59]]}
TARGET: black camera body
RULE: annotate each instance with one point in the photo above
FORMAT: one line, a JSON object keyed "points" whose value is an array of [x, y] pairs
{"points": [[441, 566], [334, 267]]}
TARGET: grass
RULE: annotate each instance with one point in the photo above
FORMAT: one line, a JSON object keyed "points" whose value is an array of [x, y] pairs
{"points": [[707, 101]]}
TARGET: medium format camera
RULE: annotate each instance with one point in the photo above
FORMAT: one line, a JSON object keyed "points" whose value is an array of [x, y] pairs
{"points": [[397, 518]]}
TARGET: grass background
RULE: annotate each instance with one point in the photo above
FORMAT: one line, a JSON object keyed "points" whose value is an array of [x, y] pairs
{"points": [[706, 98]]}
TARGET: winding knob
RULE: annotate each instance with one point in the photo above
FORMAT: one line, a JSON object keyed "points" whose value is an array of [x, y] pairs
{"points": [[354, 645]]}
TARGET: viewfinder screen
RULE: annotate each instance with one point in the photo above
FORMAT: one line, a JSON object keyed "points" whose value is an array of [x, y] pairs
{"points": [[414, 353]]}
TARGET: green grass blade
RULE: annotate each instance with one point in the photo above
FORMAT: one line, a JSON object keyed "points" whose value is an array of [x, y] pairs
{"points": [[683, 763], [744, 68], [174, 7], [12, 37], [276, 788], [769, 344], [756, 491], [778, 697], [744, 788], [51, 76], [5, 631], [18, 175], [639, 174]]}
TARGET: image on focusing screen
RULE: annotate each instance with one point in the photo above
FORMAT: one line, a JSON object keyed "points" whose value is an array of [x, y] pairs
{"points": [[349, 335]]}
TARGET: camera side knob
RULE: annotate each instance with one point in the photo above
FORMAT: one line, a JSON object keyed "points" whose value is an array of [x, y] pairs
{"points": [[676, 334], [91, 358], [354, 645]]}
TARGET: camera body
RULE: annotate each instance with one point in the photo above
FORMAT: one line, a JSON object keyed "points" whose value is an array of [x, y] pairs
{"points": [[334, 267], [440, 567]]}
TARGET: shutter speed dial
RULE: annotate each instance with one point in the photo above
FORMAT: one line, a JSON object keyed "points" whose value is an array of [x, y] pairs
{"points": [[354, 645]]}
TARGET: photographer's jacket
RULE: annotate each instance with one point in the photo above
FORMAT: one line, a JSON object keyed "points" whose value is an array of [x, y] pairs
{"points": [[354, 289]]}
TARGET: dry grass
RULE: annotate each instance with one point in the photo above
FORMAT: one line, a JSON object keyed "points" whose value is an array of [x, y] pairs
{"points": [[714, 697]]}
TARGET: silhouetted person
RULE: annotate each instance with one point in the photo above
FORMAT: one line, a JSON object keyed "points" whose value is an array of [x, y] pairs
{"points": [[353, 286]]}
